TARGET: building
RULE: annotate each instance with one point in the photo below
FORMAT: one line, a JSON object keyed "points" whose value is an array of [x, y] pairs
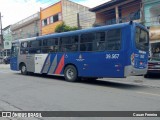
{"points": [[1, 35], [7, 39], [71, 13], [152, 20], [118, 11], [28, 27]]}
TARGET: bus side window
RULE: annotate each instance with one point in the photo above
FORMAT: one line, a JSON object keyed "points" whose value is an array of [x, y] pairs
{"points": [[50, 45], [69, 44], [24, 48], [35, 47], [74, 43], [114, 39], [86, 42], [100, 41], [63, 42]]}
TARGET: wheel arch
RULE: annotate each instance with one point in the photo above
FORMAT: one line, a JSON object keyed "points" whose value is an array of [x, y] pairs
{"points": [[73, 65], [20, 65]]}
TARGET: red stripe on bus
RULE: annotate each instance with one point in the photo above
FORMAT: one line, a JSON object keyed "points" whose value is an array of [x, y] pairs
{"points": [[60, 66]]}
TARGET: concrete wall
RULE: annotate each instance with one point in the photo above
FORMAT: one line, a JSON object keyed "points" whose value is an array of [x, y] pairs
{"points": [[69, 13], [28, 27], [27, 31]]}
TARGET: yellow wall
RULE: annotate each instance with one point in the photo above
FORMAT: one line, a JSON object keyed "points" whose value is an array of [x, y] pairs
{"points": [[50, 28], [46, 13]]}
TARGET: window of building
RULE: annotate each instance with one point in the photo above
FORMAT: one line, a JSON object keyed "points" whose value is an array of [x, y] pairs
{"points": [[6, 43], [113, 39], [45, 22], [56, 18]]}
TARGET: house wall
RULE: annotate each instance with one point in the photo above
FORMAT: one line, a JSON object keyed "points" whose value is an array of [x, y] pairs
{"points": [[69, 14], [30, 30], [28, 27], [130, 8], [108, 14], [47, 13], [152, 12]]}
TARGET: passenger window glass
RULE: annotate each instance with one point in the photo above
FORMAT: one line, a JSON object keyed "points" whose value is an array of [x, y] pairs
{"points": [[142, 39], [69, 44], [24, 48], [114, 39], [100, 44], [35, 47], [35, 44], [50, 42], [86, 42]]}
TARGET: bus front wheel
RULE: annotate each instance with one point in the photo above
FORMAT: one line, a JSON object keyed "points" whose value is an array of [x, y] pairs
{"points": [[70, 73], [23, 69]]}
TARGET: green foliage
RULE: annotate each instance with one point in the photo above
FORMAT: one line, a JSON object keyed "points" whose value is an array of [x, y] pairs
{"points": [[64, 28]]}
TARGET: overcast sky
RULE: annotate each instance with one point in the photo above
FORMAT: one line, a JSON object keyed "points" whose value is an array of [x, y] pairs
{"points": [[13, 11]]}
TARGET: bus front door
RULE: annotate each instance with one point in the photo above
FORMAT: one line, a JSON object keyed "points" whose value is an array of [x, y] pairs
{"points": [[14, 58]]}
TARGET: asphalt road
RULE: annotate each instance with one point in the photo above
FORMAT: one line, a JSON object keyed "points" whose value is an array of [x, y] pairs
{"points": [[48, 93]]}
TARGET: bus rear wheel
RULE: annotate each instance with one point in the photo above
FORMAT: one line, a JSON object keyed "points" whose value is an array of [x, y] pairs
{"points": [[23, 69], [70, 73]]}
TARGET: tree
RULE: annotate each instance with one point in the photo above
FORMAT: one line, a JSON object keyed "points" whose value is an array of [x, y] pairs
{"points": [[64, 28]]}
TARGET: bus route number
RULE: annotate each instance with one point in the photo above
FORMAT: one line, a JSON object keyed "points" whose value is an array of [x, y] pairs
{"points": [[112, 56]]}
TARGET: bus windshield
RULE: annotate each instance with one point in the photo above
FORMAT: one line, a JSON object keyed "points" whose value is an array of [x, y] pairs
{"points": [[142, 39]]}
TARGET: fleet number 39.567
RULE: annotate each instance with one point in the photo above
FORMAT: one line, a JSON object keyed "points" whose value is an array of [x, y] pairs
{"points": [[112, 56]]}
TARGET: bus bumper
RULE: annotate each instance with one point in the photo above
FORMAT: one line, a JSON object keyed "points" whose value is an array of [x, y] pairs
{"points": [[131, 71]]}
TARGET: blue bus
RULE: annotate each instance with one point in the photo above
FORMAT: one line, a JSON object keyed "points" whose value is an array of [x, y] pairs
{"points": [[115, 51]]}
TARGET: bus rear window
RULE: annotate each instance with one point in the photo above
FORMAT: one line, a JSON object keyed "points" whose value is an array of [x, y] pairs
{"points": [[142, 39]]}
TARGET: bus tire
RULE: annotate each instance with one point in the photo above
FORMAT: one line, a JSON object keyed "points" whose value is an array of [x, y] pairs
{"points": [[70, 73], [23, 69]]}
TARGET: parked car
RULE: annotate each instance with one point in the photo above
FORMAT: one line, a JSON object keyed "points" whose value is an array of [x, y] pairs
{"points": [[153, 67], [6, 60]]}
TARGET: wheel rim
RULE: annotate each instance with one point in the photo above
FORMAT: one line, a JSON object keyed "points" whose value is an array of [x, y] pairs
{"points": [[70, 73], [23, 69]]}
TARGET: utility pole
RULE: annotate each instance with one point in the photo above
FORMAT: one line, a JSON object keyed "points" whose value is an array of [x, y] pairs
{"points": [[1, 42], [78, 21]]}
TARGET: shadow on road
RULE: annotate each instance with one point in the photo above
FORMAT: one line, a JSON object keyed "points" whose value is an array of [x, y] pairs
{"points": [[112, 84], [93, 82]]}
